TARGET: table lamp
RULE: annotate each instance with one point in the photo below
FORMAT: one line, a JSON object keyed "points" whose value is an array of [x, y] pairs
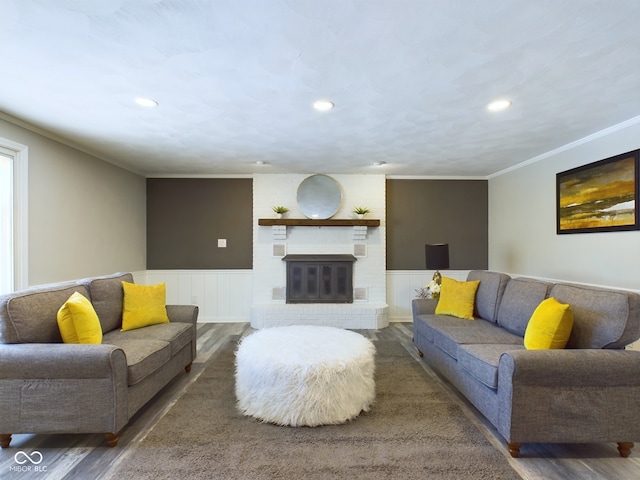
{"points": [[437, 255]]}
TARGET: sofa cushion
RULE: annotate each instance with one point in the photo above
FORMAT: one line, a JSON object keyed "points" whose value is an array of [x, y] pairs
{"points": [[144, 356], [550, 326], [107, 295], [448, 335], [32, 315], [489, 294], [521, 297], [601, 318], [481, 361], [144, 305], [78, 322], [457, 298], [177, 334]]}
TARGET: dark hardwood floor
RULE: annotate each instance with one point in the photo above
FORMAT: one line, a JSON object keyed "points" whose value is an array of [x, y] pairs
{"points": [[86, 457]]}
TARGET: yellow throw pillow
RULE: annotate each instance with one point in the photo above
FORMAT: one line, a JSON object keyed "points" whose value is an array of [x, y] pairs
{"points": [[457, 298], [78, 321], [549, 326], [143, 305]]}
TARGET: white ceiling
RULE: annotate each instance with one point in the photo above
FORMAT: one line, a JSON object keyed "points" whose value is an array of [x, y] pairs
{"points": [[235, 80]]}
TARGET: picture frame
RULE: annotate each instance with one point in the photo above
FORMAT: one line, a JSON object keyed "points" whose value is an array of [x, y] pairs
{"points": [[599, 197]]}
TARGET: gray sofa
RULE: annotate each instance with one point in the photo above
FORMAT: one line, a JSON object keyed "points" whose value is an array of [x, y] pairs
{"points": [[47, 386], [588, 392]]}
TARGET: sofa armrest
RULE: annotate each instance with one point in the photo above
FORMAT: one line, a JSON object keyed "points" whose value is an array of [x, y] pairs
{"points": [[183, 313], [572, 367], [60, 361], [422, 306], [62, 388], [571, 395]]}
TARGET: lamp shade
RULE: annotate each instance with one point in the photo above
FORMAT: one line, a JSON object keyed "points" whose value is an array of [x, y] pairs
{"points": [[437, 256]]}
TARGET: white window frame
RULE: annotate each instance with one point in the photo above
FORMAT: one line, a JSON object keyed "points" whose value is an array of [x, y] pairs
{"points": [[20, 155]]}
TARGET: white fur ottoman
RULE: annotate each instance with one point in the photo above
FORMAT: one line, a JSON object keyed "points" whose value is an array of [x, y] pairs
{"points": [[305, 375]]}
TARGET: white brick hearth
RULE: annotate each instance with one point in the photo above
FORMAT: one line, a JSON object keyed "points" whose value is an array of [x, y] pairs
{"points": [[357, 315]]}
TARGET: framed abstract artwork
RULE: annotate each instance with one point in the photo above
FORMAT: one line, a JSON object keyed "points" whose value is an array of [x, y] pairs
{"points": [[599, 197]]}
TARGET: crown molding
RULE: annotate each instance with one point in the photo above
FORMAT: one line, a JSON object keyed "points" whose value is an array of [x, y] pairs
{"points": [[57, 138], [570, 146]]}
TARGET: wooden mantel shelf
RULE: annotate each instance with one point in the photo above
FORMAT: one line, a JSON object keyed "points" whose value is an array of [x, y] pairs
{"points": [[309, 222]]}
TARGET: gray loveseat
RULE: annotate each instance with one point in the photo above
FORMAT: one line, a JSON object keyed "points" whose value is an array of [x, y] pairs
{"points": [[47, 386], [588, 392]]}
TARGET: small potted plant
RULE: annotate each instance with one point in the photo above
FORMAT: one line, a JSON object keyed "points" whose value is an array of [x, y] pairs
{"points": [[361, 211], [280, 210]]}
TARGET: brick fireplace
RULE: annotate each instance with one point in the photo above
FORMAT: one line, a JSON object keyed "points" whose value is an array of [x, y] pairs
{"points": [[272, 244]]}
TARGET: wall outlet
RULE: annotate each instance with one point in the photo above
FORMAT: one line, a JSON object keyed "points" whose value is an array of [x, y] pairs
{"points": [[222, 243]]}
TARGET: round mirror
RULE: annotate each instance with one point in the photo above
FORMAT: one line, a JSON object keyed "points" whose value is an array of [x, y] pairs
{"points": [[319, 197]]}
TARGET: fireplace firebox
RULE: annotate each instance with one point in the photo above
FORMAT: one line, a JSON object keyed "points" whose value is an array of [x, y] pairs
{"points": [[319, 278]]}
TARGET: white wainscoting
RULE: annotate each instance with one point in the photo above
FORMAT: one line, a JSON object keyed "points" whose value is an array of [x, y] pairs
{"points": [[401, 289], [221, 295], [227, 295]]}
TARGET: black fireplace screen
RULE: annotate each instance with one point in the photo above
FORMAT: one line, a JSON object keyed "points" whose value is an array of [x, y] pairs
{"points": [[319, 278]]}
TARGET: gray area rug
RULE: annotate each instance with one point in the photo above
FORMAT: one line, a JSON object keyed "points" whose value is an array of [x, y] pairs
{"points": [[412, 431]]}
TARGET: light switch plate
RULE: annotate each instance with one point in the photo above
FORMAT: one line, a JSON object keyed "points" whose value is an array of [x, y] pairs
{"points": [[222, 243]]}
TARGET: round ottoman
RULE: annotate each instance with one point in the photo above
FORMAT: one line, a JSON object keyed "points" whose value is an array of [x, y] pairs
{"points": [[305, 375]]}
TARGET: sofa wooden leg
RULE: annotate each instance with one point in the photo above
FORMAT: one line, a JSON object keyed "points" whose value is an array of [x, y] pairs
{"points": [[5, 440], [112, 439], [625, 448], [514, 449], [188, 367], [420, 354]]}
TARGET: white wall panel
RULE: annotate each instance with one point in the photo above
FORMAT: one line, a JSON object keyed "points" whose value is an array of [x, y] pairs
{"points": [[221, 295], [401, 289]]}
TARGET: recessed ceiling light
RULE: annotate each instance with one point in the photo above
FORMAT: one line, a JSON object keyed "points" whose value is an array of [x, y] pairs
{"points": [[260, 162], [378, 164], [146, 102], [323, 105], [499, 105]]}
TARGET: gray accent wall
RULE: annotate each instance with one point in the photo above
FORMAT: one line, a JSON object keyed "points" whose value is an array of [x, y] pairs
{"points": [[187, 216], [437, 211]]}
